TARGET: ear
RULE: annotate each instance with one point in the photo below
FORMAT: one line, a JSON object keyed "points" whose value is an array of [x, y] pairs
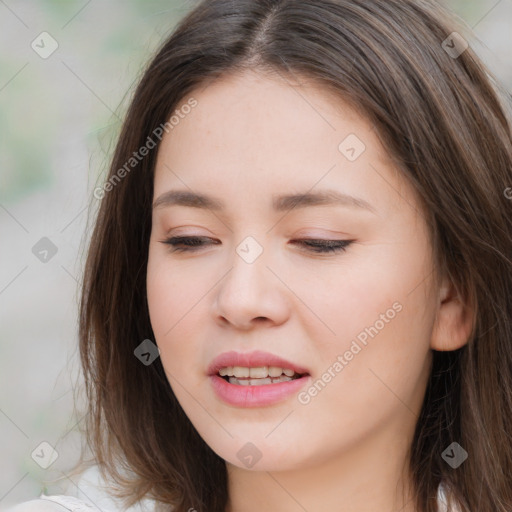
{"points": [[454, 320]]}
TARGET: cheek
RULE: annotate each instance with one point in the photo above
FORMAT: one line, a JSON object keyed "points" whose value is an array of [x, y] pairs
{"points": [[176, 314], [170, 289], [162, 296], [166, 296], [382, 319]]}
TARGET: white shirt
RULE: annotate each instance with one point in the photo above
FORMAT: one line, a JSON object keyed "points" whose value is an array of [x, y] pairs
{"points": [[92, 496]]}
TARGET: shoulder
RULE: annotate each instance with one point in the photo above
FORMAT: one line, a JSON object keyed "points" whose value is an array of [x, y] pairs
{"points": [[443, 493], [93, 489], [56, 503], [36, 505], [90, 495]]}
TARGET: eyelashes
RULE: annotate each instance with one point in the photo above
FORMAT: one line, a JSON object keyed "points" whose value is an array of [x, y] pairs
{"points": [[194, 243]]}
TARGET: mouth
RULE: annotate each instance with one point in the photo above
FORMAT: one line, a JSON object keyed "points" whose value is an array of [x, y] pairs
{"points": [[255, 379], [258, 376]]}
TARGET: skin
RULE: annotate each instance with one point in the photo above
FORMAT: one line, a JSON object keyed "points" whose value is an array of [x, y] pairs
{"points": [[250, 137]]}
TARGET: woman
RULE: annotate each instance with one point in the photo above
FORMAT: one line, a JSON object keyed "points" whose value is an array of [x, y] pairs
{"points": [[297, 290]]}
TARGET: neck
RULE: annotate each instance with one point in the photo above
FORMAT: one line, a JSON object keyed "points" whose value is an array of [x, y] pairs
{"points": [[363, 478]]}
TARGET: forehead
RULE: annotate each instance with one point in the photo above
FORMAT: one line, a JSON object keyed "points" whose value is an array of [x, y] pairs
{"points": [[251, 132], [271, 110]]}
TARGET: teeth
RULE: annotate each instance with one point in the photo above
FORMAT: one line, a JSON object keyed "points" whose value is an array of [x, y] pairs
{"points": [[258, 382], [260, 372], [275, 371], [226, 371], [240, 371]]}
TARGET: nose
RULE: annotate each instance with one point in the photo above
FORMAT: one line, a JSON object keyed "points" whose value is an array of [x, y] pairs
{"points": [[250, 294]]}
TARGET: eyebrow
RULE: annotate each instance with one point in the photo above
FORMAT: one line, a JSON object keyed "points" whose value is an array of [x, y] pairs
{"points": [[279, 203]]}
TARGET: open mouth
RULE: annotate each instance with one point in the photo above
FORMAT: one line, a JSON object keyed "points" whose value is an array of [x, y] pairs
{"points": [[260, 376]]}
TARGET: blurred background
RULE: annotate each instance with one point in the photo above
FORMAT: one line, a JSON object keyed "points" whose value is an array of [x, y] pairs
{"points": [[67, 70]]}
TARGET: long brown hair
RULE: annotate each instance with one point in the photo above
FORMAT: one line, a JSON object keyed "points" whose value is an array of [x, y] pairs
{"points": [[441, 118]]}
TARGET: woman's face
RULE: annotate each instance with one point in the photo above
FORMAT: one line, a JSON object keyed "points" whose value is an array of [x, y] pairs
{"points": [[357, 321]]}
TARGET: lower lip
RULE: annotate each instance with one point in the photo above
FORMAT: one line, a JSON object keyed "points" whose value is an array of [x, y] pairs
{"points": [[256, 396]]}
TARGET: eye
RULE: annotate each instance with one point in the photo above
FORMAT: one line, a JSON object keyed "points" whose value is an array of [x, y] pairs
{"points": [[193, 243], [325, 246], [186, 243]]}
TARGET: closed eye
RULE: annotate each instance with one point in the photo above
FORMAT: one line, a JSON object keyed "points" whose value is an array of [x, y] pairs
{"points": [[194, 243]]}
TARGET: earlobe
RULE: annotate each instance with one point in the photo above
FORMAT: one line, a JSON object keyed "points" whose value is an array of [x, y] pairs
{"points": [[454, 320]]}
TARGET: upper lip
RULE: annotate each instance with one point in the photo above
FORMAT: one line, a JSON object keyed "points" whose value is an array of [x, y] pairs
{"points": [[254, 359]]}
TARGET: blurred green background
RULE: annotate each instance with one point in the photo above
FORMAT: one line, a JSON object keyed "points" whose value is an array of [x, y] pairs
{"points": [[59, 117]]}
